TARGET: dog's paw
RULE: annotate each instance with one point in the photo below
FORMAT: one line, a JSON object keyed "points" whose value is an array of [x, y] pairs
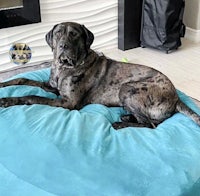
{"points": [[3, 103], [6, 102], [121, 125], [2, 85], [118, 125], [128, 118]]}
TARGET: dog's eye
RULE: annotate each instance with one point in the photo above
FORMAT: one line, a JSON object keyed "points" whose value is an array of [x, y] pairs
{"points": [[58, 33], [73, 33]]}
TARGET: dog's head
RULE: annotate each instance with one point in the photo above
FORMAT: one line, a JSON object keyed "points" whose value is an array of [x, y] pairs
{"points": [[70, 43]]}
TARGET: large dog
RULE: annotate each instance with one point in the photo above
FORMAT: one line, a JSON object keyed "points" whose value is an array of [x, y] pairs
{"points": [[81, 76]]}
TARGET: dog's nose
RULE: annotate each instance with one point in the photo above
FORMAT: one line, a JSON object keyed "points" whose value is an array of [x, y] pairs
{"points": [[63, 46]]}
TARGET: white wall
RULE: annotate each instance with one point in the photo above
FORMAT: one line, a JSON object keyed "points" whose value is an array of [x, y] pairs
{"points": [[192, 20], [192, 14], [100, 16]]}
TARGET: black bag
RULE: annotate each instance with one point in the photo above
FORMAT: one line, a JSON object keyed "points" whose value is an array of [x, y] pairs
{"points": [[162, 24]]}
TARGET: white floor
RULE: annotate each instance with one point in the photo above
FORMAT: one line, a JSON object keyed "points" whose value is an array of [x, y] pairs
{"points": [[181, 66]]}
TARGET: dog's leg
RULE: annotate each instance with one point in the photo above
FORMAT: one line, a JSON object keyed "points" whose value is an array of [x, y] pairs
{"points": [[129, 121], [23, 81], [149, 103], [120, 125], [29, 100]]}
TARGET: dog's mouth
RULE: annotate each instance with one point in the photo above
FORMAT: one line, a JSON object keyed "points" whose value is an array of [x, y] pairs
{"points": [[67, 61]]}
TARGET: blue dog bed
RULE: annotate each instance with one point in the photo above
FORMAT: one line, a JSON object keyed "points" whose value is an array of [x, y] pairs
{"points": [[49, 151]]}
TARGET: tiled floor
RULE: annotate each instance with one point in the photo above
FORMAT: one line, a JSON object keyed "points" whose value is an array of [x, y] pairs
{"points": [[181, 66]]}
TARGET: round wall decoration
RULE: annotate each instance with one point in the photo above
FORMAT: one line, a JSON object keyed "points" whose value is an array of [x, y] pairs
{"points": [[20, 53]]}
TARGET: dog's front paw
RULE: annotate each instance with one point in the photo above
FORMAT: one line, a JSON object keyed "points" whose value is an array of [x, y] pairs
{"points": [[2, 85], [6, 102], [3, 103]]}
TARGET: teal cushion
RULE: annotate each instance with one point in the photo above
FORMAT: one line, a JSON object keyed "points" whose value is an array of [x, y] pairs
{"points": [[51, 151]]}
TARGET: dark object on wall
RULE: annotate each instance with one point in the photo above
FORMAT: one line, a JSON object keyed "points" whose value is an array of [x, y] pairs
{"points": [[162, 24], [129, 23], [19, 12]]}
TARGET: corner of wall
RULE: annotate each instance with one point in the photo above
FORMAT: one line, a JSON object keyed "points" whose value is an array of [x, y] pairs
{"points": [[192, 34]]}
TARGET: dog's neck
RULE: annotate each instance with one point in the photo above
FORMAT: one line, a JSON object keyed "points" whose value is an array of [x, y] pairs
{"points": [[90, 58]]}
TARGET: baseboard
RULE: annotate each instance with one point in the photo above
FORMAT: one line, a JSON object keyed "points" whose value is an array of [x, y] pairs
{"points": [[192, 34]]}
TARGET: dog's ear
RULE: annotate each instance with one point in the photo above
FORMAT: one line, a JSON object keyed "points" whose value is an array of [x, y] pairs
{"points": [[49, 37], [89, 37]]}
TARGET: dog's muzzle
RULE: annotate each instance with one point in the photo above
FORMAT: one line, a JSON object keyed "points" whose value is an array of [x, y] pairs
{"points": [[66, 60]]}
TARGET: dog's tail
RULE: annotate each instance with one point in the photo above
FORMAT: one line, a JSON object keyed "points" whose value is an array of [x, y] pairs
{"points": [[184, 109]]}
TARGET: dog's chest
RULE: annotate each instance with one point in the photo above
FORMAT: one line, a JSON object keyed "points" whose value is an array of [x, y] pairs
{"points": [[71, 83], [69, 80]]}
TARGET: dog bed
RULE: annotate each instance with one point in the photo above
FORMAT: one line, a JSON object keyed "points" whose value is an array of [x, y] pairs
{"points": [[51, 151]]}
